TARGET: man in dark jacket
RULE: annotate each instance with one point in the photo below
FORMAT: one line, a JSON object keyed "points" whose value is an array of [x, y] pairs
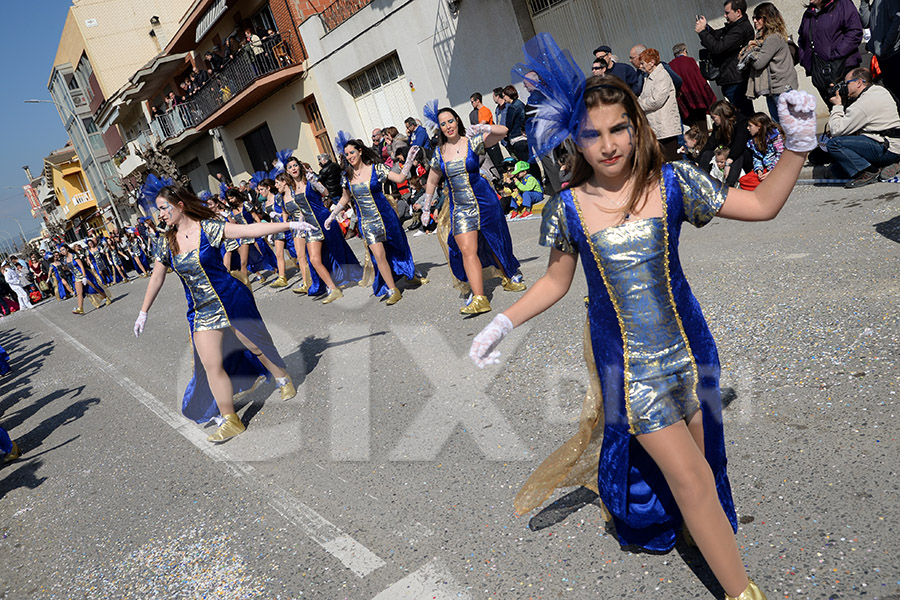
{"points": [[623, 71], [330, 177], [829, 37], [724, 45]]}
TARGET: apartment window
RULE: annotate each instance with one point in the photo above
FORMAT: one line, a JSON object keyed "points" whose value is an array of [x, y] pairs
{"points": [[263, 20], [379, 74], [260, 148], [382, 94]]}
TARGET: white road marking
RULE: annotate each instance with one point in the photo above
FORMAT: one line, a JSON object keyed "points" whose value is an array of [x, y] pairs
{"points": [[431, 581], [323, 532]]}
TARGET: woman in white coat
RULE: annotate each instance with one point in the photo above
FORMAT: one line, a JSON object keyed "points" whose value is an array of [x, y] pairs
{"points": [[658, 101]]}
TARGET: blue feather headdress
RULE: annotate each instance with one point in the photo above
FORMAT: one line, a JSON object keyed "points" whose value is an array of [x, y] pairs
{"points": [[281, 158], [257, 178], [150, 190], [557, 91], [340, 141], [430, 112], [204, 196]]}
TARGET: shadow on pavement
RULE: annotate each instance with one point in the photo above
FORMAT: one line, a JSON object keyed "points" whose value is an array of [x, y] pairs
{"points": [[890, 229]]}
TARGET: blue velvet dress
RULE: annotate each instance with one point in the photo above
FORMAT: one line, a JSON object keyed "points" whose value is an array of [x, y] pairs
{"points": [[4, 362], [655, 356], [475, 206], [216, 300], [261, 257], [57, 278], [99, 264], [337, 256], [378, 222], [93, 286]]}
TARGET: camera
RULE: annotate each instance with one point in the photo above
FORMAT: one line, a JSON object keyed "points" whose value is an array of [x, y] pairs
{"points": [[839, 88]]}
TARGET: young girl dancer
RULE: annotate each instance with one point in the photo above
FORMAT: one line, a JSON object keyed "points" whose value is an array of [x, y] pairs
{"points": [[232, 347], [479, 236], [663, 453], [82, 280], [378, 223]]}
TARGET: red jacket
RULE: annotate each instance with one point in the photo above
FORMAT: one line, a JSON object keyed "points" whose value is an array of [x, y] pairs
{"points": [[695, 91]]}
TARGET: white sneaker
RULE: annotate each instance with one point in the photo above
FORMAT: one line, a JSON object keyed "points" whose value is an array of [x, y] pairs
{"points": [[418, 233]]}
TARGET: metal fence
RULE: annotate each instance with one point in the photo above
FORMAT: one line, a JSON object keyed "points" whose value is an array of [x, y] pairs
{"points": [[340, 10], [251, 63]]}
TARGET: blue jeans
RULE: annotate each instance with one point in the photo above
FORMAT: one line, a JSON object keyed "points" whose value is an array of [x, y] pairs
{"points": [[772, 104], [856, 153], [531, 198], [737, 95]]}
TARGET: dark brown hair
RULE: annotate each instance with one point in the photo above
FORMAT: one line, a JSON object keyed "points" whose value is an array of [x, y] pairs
{"points": [[192, 207], [512, 92], [647, 158], [728, 115], [294, 184], [766, 127], [460, 126], [369, 156]]}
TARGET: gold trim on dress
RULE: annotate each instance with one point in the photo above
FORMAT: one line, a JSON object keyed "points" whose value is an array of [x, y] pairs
{"points": [[626, 354]]}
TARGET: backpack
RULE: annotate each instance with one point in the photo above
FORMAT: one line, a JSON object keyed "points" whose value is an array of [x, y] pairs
{"points": [[708, 69]]}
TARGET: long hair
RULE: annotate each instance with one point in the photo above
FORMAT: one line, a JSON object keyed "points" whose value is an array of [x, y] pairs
{"points": [[285, 179], [772, 21], [460, 126], [234, 198], [295, 184], [269, 183], [728, 116], [647, 158], [369, 156], [193, 208], [766, 128]]}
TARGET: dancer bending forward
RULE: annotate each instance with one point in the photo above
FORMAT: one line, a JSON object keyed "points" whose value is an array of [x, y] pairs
{"points": [[232, 347], [663, 453]]}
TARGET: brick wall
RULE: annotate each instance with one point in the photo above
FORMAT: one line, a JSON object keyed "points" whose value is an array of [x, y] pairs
{"points": [[289, 14]]}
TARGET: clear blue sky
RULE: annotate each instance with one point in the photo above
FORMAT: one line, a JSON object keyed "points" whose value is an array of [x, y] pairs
{"points": [[30, 34]]}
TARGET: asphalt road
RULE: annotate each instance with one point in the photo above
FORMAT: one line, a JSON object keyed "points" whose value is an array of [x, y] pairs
{"points": [[391, 475]]}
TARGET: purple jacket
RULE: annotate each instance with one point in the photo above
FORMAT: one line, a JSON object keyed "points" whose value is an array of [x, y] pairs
{"points": [[831, 33]]}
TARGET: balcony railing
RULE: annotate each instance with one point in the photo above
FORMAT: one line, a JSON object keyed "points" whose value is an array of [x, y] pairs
{"points": [[340, 10], [82, 198], [236, 76]]}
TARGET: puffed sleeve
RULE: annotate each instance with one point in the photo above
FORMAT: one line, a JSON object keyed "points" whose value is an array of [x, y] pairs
{"points": [[345, 183], [555, 227], [476, 143], [702, 196], [435, 161], [215, 231], [381, 172], [162, 251]]}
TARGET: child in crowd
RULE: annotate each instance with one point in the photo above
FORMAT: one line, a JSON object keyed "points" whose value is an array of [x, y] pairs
{"points": [[717, 166], [766, 144], [694, 141], [529, 187]]}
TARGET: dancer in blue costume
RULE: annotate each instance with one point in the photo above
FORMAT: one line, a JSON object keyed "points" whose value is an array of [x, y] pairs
{"points": [[98, 263], [9, 450], [4, 362], [139, 255], [59, 276], [259, 255], [113, 259], [479, 236], [378, 223], [273, 205], [232, 347], [663, 453], [82, 280], [333, 263]]}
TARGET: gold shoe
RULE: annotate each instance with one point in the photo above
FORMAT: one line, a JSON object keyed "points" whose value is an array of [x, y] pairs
{"points": [[334, 295], [108, 301], [418, 280], [288, 390], [301, 289], [77, 311], [512, 286], [478, 305], [394, 297], [13, 454], [751, 593], [279, 283], [230, 428]]}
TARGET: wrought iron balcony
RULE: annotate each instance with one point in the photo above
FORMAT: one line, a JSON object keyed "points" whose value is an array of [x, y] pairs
{"points": [[234, 77], [340, 10]]}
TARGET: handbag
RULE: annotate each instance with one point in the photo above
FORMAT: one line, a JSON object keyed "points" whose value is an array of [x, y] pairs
{"points": [[825, 72], [708, 69]]}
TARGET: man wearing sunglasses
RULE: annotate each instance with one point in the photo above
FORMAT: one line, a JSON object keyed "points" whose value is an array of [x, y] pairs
{"points": [[866, 132]]}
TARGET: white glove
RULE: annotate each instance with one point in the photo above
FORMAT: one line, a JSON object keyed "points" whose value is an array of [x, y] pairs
{"points": [[84, 281], [427, 199], [300, 226], [274, 216], [482, 128], [482, 351], [797, 116], [408, 165], [139, 324], [335, 209]]}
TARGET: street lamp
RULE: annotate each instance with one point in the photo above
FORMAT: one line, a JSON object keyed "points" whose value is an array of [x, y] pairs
{"points": [[8, 246], [87, 141]]}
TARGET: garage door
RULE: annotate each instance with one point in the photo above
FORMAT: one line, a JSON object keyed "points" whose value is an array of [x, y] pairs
{"points": [[382, 96]]}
